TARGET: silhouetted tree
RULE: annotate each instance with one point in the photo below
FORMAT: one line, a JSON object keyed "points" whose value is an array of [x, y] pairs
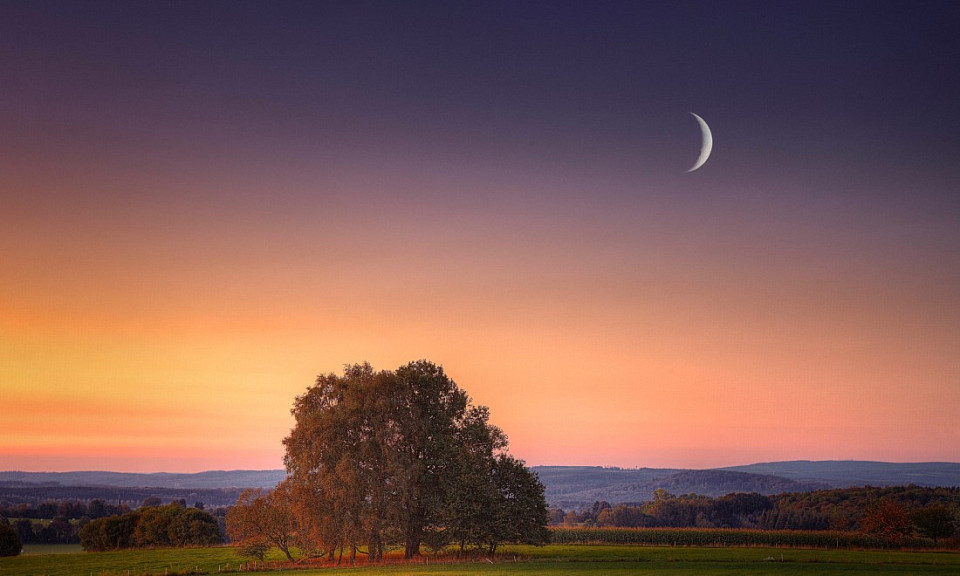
{"points": [[10, 543], [24, 528]]}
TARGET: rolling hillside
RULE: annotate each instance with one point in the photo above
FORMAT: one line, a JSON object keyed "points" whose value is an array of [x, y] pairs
{"points": [[575, 486], [846, 473]]}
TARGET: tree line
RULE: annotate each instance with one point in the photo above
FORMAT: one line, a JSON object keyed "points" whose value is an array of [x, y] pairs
{"points": [[34, 494], [69, 509], [60, 522], [171, 525], [393, 458], [892, 513], [54, 522]]}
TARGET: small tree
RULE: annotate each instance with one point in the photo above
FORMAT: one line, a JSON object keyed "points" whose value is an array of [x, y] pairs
{"points": [[254, 548], [259, 519], [934, 522], [10, 544]]}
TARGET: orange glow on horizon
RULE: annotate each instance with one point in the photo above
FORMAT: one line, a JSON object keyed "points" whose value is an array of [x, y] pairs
{"points": [[197, 221]]}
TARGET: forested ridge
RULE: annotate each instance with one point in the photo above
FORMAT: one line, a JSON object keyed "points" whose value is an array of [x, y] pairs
{"points": [[33, 496], [892, 512]]}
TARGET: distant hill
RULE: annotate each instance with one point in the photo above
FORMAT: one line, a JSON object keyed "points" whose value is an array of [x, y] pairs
{"points": [[847, 473], [210, 479], [566, 486], [12, 493], [578, 486]]}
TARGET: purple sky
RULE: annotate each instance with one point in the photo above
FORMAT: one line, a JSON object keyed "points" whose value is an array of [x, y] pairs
{"points": [[206, 204]]}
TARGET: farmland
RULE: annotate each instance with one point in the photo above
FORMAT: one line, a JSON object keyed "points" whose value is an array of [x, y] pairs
{"points": [[553, 559], [728, 537]]}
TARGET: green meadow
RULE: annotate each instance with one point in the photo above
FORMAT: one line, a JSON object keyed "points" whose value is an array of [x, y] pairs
{"points": [[609, 560]]}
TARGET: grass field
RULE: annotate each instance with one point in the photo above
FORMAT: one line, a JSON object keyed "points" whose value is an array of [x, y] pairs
{"points": [[51, 549], [609, 560]]}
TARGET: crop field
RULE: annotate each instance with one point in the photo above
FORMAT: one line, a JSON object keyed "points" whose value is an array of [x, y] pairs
{"points": [[556, 559], [727, 537]]}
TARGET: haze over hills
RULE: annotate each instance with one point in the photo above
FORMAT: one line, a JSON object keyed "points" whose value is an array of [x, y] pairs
{"points": [[209, 479], [573, 486], [843, 473], [577, 486]]}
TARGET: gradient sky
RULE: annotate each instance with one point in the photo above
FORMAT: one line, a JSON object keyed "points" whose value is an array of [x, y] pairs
{"points": [[204, 205]]}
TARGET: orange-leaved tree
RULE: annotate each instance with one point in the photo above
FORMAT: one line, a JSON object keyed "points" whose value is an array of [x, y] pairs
{"points": [[886, 519], [259, 520]]}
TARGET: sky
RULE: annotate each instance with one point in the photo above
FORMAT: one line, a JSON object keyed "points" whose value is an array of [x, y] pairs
{"points": [[204, 205]]}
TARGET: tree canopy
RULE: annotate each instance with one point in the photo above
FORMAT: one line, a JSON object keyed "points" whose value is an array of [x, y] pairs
{"points": [[151, 526], [383, 457]]}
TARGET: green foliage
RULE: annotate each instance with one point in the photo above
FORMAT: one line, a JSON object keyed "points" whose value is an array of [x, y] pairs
{"points": [[840, 510], [254, 548], [844, 508], [161, 526], [520, 503], [10, 543], [935, 522], [193, 527]]}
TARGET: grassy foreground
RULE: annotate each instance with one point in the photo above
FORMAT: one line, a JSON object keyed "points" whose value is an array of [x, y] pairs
{"points": [[609, 560]]}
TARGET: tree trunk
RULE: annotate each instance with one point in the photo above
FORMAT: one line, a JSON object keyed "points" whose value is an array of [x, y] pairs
{"points": [[413, 537], [375, 549], [412, 547], [286, 552]]}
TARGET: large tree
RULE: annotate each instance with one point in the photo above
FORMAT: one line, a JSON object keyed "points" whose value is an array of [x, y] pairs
{"points": [[342, 461], [388, 457], [428, 409]]}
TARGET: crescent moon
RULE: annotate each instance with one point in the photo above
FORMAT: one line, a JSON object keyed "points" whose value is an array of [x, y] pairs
{"points": [[707, 144]]}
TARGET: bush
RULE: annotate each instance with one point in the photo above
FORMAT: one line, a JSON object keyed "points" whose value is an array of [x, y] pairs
{"points": [[170, 525], [10, 544]]}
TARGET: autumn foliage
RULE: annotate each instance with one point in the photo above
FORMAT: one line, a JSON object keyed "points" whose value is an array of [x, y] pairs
{"points": [[393, 459]]}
